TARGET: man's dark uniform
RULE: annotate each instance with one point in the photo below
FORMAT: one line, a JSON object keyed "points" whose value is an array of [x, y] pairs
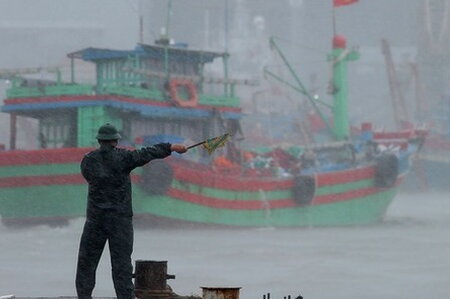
{"points": [[109, 214]]}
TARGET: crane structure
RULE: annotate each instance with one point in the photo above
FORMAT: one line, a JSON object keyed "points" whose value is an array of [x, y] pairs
{"points": [[400, 109], [433, 47]]}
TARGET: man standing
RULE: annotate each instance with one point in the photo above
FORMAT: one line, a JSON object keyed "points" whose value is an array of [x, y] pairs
{"points": [[109, 209]]}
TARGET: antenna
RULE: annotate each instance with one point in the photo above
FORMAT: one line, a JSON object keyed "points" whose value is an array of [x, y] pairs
{"points": [[226, 26], [166, 46], [141, 22], [169, 12], [225, 57]]}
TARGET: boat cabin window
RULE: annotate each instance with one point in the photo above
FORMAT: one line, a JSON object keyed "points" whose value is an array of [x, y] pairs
{"points": [[57, 132]]}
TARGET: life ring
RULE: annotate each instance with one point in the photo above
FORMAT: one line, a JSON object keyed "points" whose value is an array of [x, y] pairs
{"points": [[156, 177], [189, 85], [303, 190], [386, 170]]}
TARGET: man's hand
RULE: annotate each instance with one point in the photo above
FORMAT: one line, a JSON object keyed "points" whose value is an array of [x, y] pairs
{"points": [[179, 148]]}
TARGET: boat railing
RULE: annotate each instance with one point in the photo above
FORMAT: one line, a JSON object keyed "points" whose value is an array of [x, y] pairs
{"points": [[112, 89], [49, 90], [134, 91]]}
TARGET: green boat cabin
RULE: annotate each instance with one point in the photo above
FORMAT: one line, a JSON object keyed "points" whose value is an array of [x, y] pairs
{"points": [[151, 90]]}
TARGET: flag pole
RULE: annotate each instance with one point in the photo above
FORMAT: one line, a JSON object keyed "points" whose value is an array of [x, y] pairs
{"points": [[334, 19], [222, 139], [195, 145]]}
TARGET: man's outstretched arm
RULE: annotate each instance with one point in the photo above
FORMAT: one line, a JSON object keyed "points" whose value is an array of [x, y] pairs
{"points": [[142, 156]]}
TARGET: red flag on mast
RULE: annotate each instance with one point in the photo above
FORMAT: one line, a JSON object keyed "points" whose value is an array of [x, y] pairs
{"points": [[337, 3]]}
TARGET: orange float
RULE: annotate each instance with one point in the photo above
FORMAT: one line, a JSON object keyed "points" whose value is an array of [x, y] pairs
{"points": [[174, 84]]}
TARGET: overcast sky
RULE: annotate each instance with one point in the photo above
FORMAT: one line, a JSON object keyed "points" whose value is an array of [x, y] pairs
{"points": [[41, 33]]}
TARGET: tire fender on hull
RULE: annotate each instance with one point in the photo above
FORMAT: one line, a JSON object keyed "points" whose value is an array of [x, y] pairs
{"points": [[303, 190], [156, 177], [386, 170]]}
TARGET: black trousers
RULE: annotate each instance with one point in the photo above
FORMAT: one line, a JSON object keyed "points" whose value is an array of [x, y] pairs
{"points": [[118, 231]]}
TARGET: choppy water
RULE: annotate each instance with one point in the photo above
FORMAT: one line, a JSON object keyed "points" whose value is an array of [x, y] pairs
{"points": [[406, 256]]}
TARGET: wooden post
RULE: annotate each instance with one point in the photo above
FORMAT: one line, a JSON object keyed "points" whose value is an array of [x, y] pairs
{"points": [[72, 69], [12, 131]]}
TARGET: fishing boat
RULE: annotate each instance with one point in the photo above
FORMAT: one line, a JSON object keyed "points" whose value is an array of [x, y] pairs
{"points": [[161, 93], [431, 169], [430, 80]]}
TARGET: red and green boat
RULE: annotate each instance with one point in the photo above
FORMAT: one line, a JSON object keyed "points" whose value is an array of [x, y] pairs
{"points": [[161, 93]]}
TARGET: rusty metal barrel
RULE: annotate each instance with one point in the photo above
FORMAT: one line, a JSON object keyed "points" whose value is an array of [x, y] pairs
{"points": [[150, 278], [220, 292]]}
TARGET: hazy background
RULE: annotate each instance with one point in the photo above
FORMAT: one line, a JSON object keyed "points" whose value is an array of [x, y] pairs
{"points": [[41, 33]]}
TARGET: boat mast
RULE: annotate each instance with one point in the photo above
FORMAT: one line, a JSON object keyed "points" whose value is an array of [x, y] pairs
{"points": [[339, 58], [298, 85]]}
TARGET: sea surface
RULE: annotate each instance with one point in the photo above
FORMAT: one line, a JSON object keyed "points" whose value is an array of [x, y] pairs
{"points": [[405, 256]]}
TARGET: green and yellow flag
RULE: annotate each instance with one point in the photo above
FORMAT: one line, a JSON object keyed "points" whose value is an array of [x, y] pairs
{"points": [[213, 143]]}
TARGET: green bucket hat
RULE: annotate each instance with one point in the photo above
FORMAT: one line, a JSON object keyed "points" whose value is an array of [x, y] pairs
{"points": [[108, 132]]}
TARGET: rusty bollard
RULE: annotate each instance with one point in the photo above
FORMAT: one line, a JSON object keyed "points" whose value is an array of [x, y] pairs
{"points": [[150, 280], [220, 292]]}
